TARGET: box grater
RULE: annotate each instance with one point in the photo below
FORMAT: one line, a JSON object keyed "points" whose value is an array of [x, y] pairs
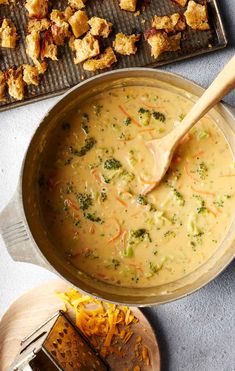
{"points": [[57, 345]]}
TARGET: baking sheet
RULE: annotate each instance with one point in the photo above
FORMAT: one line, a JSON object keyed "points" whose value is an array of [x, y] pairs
{"points": [[64, 74]]}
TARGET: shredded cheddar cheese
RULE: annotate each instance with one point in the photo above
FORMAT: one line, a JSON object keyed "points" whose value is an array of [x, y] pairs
{"points": [[107, 326]]}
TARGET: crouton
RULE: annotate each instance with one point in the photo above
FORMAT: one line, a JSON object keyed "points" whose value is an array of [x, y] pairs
{"points": [[129, 5], [38, 25], [49, 49], [125, 44], [68, 12], [37, 8], [171, 23], [33, 45], [2, 86], [30, 75], [6, 2], [159, 43], [180, 2], [15, 82], [41, 67], [174, 42], [77, 4], [8, 34], [59, 17], [85, 48], [105, 60], [79, 23], [196, 16], [60, 33], [100, 27]]}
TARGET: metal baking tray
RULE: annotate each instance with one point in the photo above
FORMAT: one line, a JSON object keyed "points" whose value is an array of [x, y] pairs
{"points": [[64, 74]]}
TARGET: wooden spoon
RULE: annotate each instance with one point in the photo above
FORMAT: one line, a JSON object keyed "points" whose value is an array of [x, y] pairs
{"points": [[163, 149]]}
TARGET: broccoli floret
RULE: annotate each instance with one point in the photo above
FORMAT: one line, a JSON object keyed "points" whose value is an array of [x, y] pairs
{"points": [[141, 234], [159, 116], [178, 197], [103, 195], [202, 170], [93, 217], [112, 164], [144, 115], [84, 200], [89, 144], [127, 121], [141, 200]]}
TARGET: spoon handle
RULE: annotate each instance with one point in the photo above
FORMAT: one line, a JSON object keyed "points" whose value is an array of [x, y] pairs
{"points": [[221, 86]]}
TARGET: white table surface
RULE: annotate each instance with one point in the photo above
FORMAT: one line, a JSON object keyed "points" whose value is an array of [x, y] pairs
{"points": [[196, 333]]}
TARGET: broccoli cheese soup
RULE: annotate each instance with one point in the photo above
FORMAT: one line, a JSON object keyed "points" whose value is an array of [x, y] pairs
{"points": [[92, 176]]}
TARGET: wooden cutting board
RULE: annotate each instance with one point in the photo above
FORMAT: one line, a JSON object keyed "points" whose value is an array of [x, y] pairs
{"points": [[34, 307]]}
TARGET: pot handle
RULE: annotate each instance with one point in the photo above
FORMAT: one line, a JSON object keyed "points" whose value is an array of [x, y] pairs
{"points": [[15, 235]]}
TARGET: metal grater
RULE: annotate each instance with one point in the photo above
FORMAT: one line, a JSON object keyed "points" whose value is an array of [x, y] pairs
{"points": [[57, 345]]}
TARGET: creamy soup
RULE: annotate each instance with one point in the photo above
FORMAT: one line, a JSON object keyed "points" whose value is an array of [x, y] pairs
{"points": [[91, 181]]}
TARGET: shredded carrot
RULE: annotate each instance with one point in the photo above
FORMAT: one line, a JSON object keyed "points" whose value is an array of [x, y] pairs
{"points": [[212, 212], [198, 154], [150, 106], [92, 229], [123, 239], [145, 181], [128, 194], [226, 175], [118, 233], [129, 116], [121, 201], [185, 139], [189, 174], [97, 177], [146, 130], [71, 204], [203, 192]]}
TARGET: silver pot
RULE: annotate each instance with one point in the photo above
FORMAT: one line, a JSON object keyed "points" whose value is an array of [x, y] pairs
{"points": [[21, 224]]}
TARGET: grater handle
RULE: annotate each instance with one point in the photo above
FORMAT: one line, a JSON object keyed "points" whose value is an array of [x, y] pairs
{"points": [[15, 234]]}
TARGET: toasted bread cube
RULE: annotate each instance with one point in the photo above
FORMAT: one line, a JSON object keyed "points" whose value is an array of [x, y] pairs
{"points": [[30, 75], [159, 43], [60, 33], [8, 34], [6, 2], [105, 60], [59, 17], [15, 83], [41, 67], [49, 49], [125, 44], [79, 23], [38, 25], [129, 5], [100, 27], [77, 4], [85, 48], [68, 12], [174, 42], [37, 8], [196, 16], [2, 86], [180, 2], [33, 45], [171, 23]]}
